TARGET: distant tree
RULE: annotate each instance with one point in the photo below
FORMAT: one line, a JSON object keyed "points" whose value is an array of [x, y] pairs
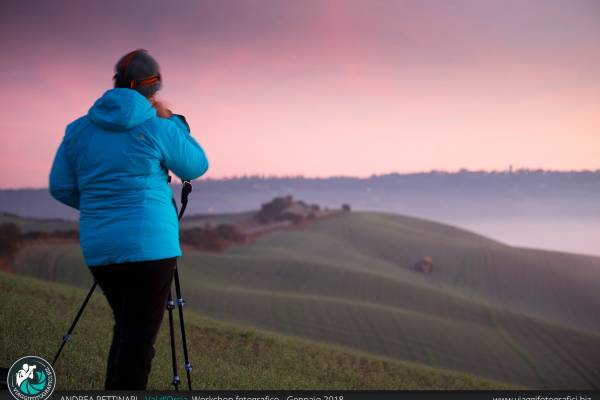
{"points": [[32, 235], [273, 209], [70, 234], [346, 207], [10, 239], [230, 233], [212, 239]]}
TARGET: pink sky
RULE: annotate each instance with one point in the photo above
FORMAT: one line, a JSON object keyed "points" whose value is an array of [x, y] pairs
{"points": [[318, 88]]}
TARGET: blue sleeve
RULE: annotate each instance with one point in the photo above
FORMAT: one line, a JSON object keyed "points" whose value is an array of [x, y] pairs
{"points": [[181, 153], [63, 181]]}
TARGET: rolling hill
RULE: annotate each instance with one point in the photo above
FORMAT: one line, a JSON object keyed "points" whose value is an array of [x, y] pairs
{"points": [[225, 356], [524, 316]]}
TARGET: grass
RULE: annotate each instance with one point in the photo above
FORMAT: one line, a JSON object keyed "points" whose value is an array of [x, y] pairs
{"points": [[225, 356], [516, 315]]}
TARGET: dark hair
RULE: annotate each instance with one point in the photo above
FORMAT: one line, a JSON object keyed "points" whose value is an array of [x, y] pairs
{"points": [[137, 70]]}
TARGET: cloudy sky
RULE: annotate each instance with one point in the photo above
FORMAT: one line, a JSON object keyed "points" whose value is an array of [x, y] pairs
{"points": [[318, 88]]}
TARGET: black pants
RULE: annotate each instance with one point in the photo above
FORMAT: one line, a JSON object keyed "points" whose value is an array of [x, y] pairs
{"points": [[137, 293]]}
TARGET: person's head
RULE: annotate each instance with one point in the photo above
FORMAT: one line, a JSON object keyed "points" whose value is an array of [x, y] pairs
{"points": [[137, 70]]}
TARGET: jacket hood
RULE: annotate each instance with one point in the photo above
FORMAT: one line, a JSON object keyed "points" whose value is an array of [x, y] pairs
{"points": [[121, 109]]}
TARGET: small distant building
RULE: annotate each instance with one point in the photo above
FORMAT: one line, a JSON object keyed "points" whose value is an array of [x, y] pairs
{"points": [[424, 265]]}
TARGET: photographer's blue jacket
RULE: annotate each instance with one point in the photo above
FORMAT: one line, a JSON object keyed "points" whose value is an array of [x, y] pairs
{"points": [[112, 166]]}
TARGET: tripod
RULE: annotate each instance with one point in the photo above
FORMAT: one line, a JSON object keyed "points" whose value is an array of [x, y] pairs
{"points": [[185, 191]]}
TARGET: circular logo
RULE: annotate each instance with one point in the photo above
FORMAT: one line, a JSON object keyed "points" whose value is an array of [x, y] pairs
{"points": [[31, 378]]}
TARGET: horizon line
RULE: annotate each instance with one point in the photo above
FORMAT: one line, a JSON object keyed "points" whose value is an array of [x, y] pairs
{"points": [[374, 175]]}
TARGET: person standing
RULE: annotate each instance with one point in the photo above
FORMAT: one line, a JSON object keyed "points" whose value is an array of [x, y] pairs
{"points": [[112, 165]]}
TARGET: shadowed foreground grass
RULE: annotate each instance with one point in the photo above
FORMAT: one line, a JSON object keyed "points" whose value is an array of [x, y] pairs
{"points": [[35, 314]]}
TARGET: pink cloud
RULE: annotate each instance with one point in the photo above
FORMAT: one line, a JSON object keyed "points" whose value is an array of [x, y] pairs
{"points": [[339, 90]]}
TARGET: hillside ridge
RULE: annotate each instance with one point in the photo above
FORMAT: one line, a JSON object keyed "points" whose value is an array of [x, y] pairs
{"points": [[225, 356]]}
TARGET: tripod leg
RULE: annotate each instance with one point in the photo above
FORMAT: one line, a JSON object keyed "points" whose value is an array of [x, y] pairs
{"points": [[67, 335], [170, 306], [180, 304]]}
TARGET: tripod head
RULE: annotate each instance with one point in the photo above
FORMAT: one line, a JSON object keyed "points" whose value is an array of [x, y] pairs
{"points": [[186, 189]]}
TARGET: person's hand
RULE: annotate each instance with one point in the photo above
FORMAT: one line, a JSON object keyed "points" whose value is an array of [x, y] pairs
{"points": [[161, 109]]}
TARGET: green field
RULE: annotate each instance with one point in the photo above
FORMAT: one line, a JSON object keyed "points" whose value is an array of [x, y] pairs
{"points": [[35, 314], [523, 316]]}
